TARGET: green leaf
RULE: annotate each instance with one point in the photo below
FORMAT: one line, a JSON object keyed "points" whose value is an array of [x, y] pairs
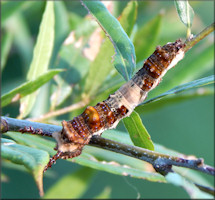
{"points": [[42, 55], [192, 175], [6, 44], [98, 74], [74, 60], [22, 37], [154, 105], [193, 191], [104, 194], [185, 12], [28, 87], [186, 173], [110, 162], [33, 159], [116, 168], [124, 58], [128, 17], [146, 38], [71, 185], [118, 136], [34, 141], [137, 131], [61, 91], [10, 7], [197, 83], [61, 28]]}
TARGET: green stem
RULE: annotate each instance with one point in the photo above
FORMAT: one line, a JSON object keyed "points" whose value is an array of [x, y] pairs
{"points": [[191, 42]]}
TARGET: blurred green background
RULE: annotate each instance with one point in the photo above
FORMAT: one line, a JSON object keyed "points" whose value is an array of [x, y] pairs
{"points": [[187, 127]]}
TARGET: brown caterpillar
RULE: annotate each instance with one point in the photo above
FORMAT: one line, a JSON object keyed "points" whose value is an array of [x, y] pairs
{"points": [[107, 114]]}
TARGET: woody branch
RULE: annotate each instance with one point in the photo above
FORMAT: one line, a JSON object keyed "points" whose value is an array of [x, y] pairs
{"points": [[161, 162]]}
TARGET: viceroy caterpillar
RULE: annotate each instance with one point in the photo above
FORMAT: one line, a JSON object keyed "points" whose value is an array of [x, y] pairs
{"points": [[105, 115]]}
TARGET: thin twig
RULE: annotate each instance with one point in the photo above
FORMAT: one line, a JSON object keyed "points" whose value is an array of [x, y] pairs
{"points": [[161, 162], [191, 42]]}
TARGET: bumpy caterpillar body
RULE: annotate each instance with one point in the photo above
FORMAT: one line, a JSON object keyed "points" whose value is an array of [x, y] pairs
{"points": [[107, 114]]}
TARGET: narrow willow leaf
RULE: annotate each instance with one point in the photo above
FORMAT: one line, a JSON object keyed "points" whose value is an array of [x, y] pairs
{"points": [[137, 131], [104, 194], [72, 58], [115, 168], [28, 87], [128, 17], [7, 39], [61, 91], [193, 191], [185, 12], [22, 37], [61, 28], [126, 166], [118, 136], [197, 83], [145, 39], [124, 58], [117, 159], [155, 105], [33, 159], [98, 74], [9, 8], [34, 141], [193, 176], [41, 57], [71, 185]]}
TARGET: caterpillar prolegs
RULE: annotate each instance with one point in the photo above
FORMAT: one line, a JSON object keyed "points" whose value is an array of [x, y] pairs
{"points": [[77, 132]]}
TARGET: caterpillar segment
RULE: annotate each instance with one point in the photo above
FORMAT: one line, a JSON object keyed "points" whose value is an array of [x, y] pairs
{"points": [[105, 115]]}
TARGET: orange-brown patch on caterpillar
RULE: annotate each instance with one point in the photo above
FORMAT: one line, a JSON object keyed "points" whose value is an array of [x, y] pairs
{"points": [[147, 84], [152, 70], [164, 59], [74, 132], [92, 118], [122, 110], [107, 115], [104, 107], [80, 128], [110, 118]]}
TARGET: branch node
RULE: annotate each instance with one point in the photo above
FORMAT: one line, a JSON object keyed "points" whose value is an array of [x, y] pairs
{"points": [[4, 126], [161, 166], [199, 162]]}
